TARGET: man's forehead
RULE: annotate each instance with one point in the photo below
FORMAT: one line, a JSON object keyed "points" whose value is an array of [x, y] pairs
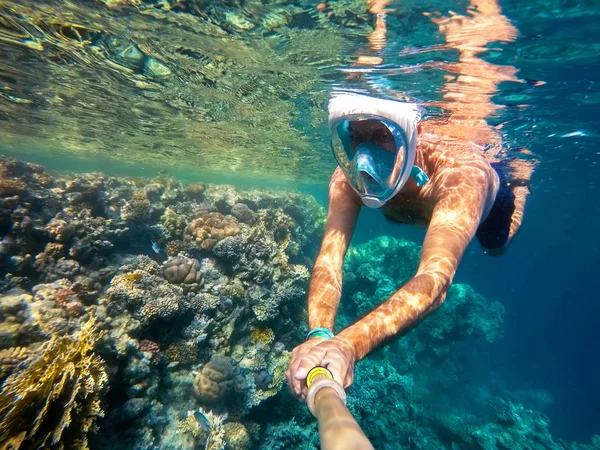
{"points": [[367, 124]]}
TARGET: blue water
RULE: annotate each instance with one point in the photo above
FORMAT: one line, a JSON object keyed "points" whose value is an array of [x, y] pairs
{"points": [[548, 279]]}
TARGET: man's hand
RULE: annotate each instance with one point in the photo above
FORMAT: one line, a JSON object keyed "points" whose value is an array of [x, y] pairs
{"points": [[334, 354]]}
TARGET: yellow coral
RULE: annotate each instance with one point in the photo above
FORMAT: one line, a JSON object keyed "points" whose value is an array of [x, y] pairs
{"points": [[236, 436], [10, 358], [261, 335], [12, 187], [277, 366], [173, 222], [134, 276], [58, 391]]}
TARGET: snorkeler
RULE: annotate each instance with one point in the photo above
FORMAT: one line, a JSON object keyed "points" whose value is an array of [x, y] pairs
{"points": [[445, 174], [389, 161]]}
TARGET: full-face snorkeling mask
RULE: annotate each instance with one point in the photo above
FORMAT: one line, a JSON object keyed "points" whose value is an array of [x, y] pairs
{"points": [[374, 142]]}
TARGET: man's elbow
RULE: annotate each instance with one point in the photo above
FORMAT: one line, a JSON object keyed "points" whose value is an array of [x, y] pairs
{"points": [[434, 284]]}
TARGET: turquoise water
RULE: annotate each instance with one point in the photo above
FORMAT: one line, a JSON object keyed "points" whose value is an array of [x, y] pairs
{"points": [[245, 104]]}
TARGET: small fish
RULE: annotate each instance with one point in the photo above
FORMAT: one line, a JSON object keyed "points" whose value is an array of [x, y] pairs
{"points": [[202, 421], [155, 246], [574, 134]]}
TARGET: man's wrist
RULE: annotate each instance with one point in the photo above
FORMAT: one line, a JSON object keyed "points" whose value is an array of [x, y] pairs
{"points": [[322, 332]]}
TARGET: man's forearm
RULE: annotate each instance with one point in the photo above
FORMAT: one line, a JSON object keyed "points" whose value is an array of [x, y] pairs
{"points": [[324, 294], [402, 311]]}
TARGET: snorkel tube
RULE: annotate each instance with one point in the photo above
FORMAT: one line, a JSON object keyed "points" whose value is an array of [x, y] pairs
{"points": [[326, 400]]}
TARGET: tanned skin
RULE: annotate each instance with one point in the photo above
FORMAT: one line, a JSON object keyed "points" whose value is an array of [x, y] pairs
{"points": [[460, 193]]}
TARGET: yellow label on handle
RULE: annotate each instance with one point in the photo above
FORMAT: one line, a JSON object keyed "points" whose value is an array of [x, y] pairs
{"points": [[315, 371]]}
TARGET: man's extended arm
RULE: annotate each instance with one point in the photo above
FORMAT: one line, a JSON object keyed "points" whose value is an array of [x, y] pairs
{"points": [[454, 222], [326, 281]]}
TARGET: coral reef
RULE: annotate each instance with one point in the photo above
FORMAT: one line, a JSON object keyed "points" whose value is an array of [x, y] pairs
{"points": [[79, 246], [189, 343], [425, 390]]}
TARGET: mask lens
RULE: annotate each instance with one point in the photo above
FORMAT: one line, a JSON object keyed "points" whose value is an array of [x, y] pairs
{"points": [[371, 152], [342, 146]]}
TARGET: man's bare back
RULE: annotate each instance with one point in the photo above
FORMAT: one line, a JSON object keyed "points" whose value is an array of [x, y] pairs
{"points": [[439, 159]]}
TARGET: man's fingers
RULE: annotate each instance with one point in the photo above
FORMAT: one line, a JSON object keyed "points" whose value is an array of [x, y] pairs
{"points": [[307, 363], [334, 362]]}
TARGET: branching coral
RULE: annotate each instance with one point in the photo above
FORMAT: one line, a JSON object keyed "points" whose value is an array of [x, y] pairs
{"points": [[261, 335], [276, 364], [184, 352], [138, 208], [55, 400], [236, 436], [175, 247], [173, 222], [11, 359], [150, 297]]}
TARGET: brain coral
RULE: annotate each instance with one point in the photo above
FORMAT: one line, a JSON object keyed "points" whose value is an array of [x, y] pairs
{"points": [[183, 271], [217, 380]]}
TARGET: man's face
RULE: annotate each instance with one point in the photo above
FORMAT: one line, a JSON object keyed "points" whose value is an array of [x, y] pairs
{"points": [[374, 132]]}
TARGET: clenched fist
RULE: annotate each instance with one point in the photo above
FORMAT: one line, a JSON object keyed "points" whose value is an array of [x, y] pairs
{"points": [[335, 354]]}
